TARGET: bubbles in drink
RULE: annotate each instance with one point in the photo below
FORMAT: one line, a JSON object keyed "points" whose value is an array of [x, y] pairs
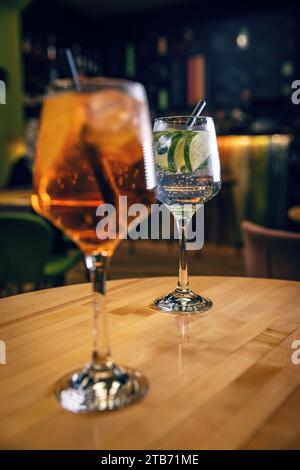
{"points": [[185, 188]]}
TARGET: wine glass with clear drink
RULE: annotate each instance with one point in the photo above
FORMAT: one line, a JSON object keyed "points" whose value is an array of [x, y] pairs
{"points": [[188, 175], [89, 153]]}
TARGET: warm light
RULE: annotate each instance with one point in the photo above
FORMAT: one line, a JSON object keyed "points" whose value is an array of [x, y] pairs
{"points": [[242, 140], [281, 139], [17, 148], [162, 45], [242, 40], [276, 139]]}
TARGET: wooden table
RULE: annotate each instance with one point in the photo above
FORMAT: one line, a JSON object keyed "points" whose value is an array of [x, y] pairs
{"points": [[221, 380], [15, 199]]}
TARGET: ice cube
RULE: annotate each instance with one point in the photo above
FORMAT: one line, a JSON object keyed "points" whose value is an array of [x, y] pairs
{"points": [[111, 111], [113, 125], [62, 119]]}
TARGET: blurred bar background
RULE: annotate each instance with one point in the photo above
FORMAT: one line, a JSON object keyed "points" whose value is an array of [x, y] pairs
{"points": [[242, 57]]}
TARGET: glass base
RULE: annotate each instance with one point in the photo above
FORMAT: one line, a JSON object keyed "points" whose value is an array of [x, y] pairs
{"points": [[100, 389], [183, 301]]}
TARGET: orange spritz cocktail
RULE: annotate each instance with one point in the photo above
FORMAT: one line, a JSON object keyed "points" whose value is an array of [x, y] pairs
{"points": [[94, 142], [89, 152]]}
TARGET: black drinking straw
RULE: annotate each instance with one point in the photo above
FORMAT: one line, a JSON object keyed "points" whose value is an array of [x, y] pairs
{"points": [[73, 69], [92, 153], [196, 112]]}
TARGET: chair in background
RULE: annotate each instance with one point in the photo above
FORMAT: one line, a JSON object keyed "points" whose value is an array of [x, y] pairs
{"points": [[271, 253], [26, 242]]}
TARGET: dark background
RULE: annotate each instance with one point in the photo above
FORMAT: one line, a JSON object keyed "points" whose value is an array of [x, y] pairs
{"points": [[250, 51], [121, 39], [247, 89]]}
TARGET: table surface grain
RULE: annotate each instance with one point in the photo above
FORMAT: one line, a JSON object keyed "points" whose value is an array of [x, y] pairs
{"points": [[220, 380], [15, 197]]}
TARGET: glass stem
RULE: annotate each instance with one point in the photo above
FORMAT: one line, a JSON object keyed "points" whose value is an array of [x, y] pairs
{"points": [[183, 277], [101, 359]]}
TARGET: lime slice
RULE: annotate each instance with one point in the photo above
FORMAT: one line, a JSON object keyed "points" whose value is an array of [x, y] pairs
{"points": [[179, 155], [162, 161], [197, 148]]}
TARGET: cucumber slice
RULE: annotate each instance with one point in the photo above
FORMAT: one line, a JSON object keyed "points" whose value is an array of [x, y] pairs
{"points": [[172, 153]]}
